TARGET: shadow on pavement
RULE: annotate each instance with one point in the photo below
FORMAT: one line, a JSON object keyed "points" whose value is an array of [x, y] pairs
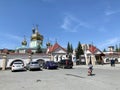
{"points": [[74, 75], [92, 75]]}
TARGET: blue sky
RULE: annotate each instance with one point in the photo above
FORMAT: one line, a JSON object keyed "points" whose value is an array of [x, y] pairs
{"points": [[87, 21]]}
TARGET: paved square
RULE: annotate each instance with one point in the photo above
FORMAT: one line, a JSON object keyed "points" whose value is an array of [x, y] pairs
{"points": [[62, 79]]}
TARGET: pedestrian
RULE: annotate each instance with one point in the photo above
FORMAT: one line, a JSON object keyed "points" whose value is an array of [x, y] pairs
{"points": [[90, 68], [112, 62]]}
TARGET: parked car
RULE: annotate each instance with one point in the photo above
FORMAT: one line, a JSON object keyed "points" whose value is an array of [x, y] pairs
{"points": [[16, 66], [50, 65], [65, 63], [33, 65]]}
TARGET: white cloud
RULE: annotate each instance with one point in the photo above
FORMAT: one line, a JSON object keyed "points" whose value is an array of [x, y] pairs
{"points": [[8, 45], [10, 41], [72, 24], [108, 42], [69, 24], [111, 12], [14, 37]]}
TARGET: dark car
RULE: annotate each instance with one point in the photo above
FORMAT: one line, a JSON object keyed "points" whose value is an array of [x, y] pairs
{"points": [[50, 65], [65, 63]]}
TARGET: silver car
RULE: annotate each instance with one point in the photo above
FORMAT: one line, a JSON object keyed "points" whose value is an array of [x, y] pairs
{"points": [[17, 66], [33, 65]]}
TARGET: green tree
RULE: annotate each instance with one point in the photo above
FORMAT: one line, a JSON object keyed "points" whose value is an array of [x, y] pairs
{"points": [[116, 48], [104, 50], [79, 51], [68, 48], [71, 48], [39, 50], [119, 48]]}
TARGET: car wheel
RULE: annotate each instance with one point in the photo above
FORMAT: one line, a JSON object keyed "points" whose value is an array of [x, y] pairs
{"points": [[47, 67], [29, 69], [12, 70]]}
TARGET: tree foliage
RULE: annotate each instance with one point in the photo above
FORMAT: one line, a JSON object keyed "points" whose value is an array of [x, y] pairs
{"points": [[39, 50], [79, 51], [117, 48], [104, 50], [69, 48]]}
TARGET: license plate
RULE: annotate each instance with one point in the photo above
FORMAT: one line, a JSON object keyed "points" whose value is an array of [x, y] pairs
{"points": [[18, 66]]}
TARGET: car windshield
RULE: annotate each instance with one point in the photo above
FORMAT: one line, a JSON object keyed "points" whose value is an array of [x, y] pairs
{"points": [[34, 62], [17, 63]]}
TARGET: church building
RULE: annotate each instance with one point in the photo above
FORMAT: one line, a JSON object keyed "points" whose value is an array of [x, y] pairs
{"points": [[35, 42]]}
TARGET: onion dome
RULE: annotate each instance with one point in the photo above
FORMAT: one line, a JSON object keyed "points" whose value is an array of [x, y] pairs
{"points": [[48, 44], [24, 42], [36, 35]]}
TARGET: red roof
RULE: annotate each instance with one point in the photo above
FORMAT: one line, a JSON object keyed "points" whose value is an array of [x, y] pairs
{"points": [[5, 50], [54, 47], [92, 49]]}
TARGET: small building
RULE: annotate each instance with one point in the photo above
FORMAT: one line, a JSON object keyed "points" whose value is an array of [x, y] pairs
{"points": [[57, 52], [111, 48], [94, 54], [111, 54]]}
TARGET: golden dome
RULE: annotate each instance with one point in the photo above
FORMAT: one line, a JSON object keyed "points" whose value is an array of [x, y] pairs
{"points": [[36, 35], [24, 42], [48, 44]]}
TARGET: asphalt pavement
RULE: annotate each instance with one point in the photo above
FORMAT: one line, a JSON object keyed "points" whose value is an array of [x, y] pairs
{"points": [[104, 78]]}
